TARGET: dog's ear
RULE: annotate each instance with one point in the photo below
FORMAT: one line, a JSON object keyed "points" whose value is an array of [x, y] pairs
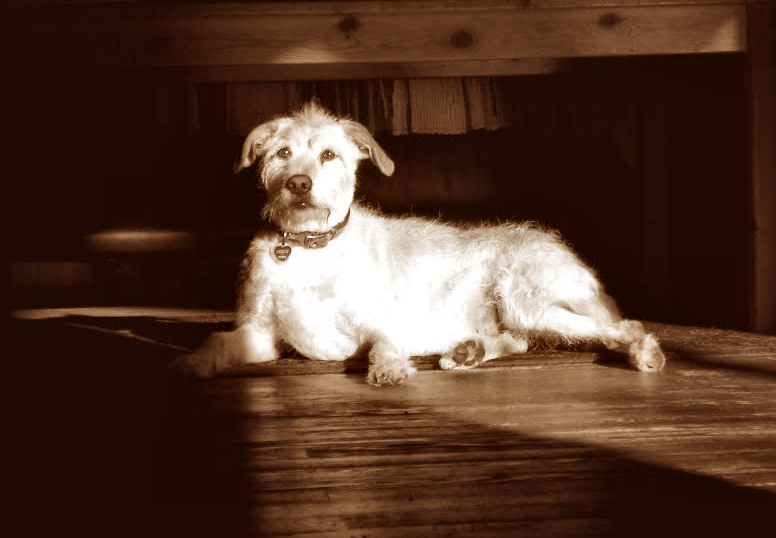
{"points": [[253, 147], [361, 136]]}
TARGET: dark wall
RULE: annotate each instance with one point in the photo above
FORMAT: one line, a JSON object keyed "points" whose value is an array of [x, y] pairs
{"points": [[106, 150]]}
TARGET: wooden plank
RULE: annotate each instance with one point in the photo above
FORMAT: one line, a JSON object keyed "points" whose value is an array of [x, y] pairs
{"points": [[589, 451], [340, 6], [249, 34], [182, 329], [502, 453], [763, 87], [360, 71]]}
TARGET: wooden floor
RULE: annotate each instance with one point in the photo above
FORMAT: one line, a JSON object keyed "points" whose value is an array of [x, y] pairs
{"points": [[560, 444]]}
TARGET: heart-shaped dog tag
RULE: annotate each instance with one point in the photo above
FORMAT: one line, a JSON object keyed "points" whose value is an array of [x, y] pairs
{"points": [[282, 252]]}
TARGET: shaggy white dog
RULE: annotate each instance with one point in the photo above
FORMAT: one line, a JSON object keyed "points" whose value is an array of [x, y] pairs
{"points": [[336, 279]]}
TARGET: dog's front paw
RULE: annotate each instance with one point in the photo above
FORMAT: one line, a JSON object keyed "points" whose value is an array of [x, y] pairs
{"points": [[215, 354], [222, 350], [389, 372], [388, 365], [382, 375], [197, 364]]}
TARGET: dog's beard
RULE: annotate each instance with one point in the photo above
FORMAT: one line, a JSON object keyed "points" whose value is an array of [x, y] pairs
{"points": [[293, 217]]}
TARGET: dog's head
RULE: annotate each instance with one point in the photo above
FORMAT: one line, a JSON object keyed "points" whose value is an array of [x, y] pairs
{"points": [[308, 167]]}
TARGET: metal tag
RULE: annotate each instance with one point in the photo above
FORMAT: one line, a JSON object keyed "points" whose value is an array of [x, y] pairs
{"points": [[282, 252]]}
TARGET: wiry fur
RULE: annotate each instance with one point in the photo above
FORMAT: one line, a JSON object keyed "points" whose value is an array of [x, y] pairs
{"points": [[398, 287]]}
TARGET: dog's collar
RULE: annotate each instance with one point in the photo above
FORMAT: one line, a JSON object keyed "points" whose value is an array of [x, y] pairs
{"points": [[311, 240]]}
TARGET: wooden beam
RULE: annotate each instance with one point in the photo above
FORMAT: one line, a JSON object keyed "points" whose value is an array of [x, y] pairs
{"points": [[365, 70], [186, 35]]}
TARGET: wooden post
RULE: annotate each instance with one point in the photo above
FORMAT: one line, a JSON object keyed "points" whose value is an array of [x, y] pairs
{"points": [[762, 55]]}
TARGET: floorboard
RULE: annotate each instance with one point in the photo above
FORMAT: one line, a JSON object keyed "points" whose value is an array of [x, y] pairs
{"points": [[110, 443]]}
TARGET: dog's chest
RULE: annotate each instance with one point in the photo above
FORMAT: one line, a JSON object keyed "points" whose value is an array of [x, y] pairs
{"points": [[318, 289], [321, 317]]}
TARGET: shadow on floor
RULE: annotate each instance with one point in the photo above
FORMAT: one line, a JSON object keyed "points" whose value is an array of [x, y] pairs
{"points": [[107, 443]]}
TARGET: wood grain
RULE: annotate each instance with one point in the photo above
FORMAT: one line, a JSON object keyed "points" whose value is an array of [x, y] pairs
{"points": [[358, 71], [552, 452], [248, 34], [763, 85], [111, 441]]}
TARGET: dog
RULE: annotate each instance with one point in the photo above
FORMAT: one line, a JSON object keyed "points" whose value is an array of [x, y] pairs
{"points": [[336, 279]]}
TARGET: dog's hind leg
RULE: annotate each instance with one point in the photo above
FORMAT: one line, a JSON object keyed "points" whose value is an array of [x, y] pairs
{"points": [[591, 323]]}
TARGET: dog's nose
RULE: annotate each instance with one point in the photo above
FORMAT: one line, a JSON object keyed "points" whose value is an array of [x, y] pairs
{"points": [[299, 184]]}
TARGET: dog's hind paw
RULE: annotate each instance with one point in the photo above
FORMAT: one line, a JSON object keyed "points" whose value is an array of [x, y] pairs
{"points": [[646, 355], [467, 354]]}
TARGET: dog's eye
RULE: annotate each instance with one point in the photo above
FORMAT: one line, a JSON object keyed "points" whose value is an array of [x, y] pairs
{"points": [[327, 155], [283, 153]]}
